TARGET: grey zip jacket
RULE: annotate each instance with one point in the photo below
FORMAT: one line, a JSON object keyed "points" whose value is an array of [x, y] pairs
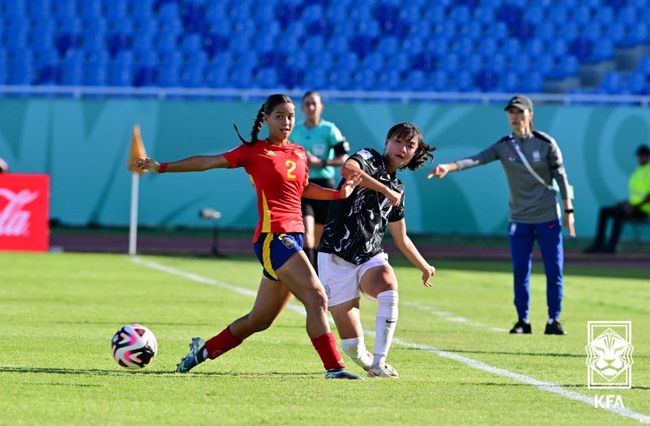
{"points": [[530, 201]]}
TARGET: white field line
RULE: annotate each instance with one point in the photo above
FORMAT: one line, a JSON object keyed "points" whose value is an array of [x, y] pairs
{"points": [[478, 365], [451, 317]]}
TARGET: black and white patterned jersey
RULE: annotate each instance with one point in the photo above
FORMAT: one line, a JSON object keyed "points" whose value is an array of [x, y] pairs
{"points": [[356, 225]]}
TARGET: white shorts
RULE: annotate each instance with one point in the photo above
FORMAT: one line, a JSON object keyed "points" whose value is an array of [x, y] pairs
{"points": [[341, 279]]}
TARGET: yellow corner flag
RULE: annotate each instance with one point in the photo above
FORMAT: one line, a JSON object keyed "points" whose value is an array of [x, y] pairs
{"points": [[137, 149]]}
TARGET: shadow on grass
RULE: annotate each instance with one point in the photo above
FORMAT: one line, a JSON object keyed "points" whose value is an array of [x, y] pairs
{"points": [[131, 373]]}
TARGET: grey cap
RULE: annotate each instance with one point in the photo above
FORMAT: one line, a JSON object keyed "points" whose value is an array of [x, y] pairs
{"points": [[520, 101]]}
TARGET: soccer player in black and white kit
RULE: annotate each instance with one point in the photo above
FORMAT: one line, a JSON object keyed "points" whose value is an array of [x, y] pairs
{"points": [[351, 259]]}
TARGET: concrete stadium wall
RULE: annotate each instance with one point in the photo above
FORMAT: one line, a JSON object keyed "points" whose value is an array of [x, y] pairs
{"points": [[84, 146]]}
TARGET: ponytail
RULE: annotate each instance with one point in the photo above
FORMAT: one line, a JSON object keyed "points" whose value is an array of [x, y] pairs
{"points": [[265, 110], [257, 127]]}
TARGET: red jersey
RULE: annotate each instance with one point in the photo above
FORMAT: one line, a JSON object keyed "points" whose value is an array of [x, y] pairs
{"points": [[279, 174]]}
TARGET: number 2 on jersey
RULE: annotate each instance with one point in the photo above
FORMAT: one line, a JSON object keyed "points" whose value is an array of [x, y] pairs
{"points": [[291, 167]]}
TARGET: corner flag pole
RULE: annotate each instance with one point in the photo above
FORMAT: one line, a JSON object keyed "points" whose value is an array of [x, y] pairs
{"points": [[133, 224], [137, 151]]}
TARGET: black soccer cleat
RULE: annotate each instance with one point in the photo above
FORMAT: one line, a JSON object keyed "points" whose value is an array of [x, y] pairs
{"points": [[554, 328], [341, 373], [521, 327]]}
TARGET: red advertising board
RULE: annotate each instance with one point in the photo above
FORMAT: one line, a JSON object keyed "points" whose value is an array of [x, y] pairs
{"points": [[24, 212]]}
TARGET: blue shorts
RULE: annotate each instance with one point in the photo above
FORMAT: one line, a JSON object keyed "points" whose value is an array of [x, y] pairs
{"points": [[273, 250]]}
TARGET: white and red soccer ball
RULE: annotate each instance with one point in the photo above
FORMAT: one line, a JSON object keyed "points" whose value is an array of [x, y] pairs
{"points": [[134, 346]]}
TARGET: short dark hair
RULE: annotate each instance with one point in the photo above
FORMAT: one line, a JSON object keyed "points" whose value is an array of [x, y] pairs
{"points": [[312, 92], [423, 153], [643, 150]]}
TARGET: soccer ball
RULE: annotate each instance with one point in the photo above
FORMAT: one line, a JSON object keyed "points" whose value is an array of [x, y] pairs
{"points": [[134, 346]]}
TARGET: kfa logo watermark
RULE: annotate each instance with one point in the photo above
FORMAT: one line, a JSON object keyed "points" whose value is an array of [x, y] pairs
{"points": [[609, 354], [609, 359]]}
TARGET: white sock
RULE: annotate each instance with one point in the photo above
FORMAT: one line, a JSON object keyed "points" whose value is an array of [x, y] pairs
{"points": [[385, 324], [355, 348]]}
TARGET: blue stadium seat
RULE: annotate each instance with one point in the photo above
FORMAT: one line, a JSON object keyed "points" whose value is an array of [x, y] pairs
{"points": [[644, 66], [21, 69], [347, 61], [339, 79], [299, 60], [374, 61], [121, 70], [266, 78], [415, 81], [64, 10], [145, 76], [533, 82], [217, 74], [637, 83], [613, 82], [389, 81], [415, 45], [72, 69], [241, 78], [169, 76], [90, 9], [603, 50], [464, 82], [118, 43], [321, 60], [447, 45], [424, 61], [192, 74], [141, 11], [39, 10]]}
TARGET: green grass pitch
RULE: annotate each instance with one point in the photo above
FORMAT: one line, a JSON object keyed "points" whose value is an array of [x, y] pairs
{"points": [[59, 311]]}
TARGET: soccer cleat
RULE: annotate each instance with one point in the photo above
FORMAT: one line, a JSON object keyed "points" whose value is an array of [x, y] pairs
{"points": [[190, 360], [383, 370], [554, 328], [521, 327], [340, 373]]}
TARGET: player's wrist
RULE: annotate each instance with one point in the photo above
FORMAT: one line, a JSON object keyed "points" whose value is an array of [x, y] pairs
{"points": [[162, 167], [569, 211]]}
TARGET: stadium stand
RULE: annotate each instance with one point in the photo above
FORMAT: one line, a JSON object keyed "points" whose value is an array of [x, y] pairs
{"points": [[555, 46]]}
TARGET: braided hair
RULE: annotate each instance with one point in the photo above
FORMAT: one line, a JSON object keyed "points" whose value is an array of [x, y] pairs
{"points": [[265, 110], [423, 153]]}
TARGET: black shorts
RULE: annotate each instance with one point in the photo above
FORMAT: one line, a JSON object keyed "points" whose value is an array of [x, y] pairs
{"points": [[317, 208]]}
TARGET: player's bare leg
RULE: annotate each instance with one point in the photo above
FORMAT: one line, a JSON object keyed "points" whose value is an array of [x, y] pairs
{"points": [[271, 299], [301, 279]]}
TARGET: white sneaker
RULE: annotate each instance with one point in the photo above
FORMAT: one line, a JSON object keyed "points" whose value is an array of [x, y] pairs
{"points": [[383, 370]]}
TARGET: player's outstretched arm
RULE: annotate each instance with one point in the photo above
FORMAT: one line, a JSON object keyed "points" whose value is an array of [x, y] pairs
{"points": [[441, 170], [317, 192], [408, 249], [351, 166], [195, 163]]}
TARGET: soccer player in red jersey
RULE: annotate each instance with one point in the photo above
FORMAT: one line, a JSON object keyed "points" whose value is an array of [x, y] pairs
{"points": [[278, 169]]}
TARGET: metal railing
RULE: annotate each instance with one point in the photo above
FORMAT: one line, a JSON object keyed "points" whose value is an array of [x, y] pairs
{"points": [[80, 92]]}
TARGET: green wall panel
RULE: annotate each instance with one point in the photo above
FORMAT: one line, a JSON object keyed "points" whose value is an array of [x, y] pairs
{"points": [[84, 146]]}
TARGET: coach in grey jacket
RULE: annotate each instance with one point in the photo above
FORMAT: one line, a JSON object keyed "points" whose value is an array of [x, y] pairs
{"points": [[532, 161]]}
